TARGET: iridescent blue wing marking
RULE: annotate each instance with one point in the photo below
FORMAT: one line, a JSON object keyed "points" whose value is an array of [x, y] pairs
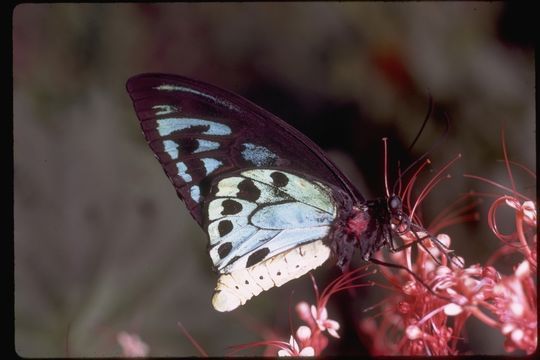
{"points": [[198, 132]]}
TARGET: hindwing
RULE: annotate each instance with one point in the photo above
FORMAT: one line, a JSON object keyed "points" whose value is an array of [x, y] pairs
{"points": [[259, 213], [266, 227]]}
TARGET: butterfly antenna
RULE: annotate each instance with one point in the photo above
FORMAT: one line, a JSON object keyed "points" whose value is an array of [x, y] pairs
{"points": [[439, 141], [399, 181], [426, 118], [385, 141]]}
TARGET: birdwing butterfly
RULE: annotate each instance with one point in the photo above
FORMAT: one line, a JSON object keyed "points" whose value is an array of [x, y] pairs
{"points": [[273, 205]]}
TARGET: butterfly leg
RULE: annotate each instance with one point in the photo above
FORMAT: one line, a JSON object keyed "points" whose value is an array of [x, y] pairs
{"points": [[408, 245], [419, 240], [416, 277], [455, 260]]}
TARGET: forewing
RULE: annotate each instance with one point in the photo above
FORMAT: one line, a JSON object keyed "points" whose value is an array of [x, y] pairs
{"points": [[199, 132]]}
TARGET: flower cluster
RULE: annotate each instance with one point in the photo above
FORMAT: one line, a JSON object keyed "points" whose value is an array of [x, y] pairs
{"points": [[431, 302], [310, 338], [429, 321]]}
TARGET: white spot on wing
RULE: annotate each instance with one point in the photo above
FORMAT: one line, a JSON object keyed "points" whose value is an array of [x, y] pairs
{"points": [[229, 186], [164, 109], [206, 145], [168, 87], [258, 155], [171, 148], [182, 171], [211, 164], [195, 193], [170, 125]]}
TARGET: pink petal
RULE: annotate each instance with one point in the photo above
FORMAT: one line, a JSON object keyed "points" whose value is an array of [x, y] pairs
{"points": [[132, 345], [284, 353], [333, 333], [303, 333], [452, 309], [444, 239], [529, 211], [294, 344], [302, 308], [324, 314], [513, 203], [331, 324], [307, 351], [522, 270], [314, 312], [413, 332]]}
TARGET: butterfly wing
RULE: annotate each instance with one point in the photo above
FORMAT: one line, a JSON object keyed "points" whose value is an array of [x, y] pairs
{"points": [[265, 194], [265, 227], [198, 132]]}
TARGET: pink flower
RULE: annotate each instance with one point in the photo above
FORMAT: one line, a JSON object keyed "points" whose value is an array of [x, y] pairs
{"points": [[292, 348], [514, 303], [321, 318], [426, 313], [132, 345]]}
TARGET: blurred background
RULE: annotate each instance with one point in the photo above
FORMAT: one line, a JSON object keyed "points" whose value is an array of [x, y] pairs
{"points": [[102, 243]]}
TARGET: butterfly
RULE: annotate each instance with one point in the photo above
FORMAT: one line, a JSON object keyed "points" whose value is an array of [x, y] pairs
{"points": [[273, 205]]}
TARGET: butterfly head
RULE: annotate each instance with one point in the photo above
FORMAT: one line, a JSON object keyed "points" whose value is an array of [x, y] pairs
{"points": [[399, 221]]}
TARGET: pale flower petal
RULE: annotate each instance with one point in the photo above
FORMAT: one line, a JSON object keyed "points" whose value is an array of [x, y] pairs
{"points": [[444, 239], [294, 344], [522, 270], [517, 308], [413, 332], [332, 324], [314, 312], [132, 345], [452, 309], [529, 211], [513, 203], [324, 314], [303, 309], [333, 333], [284, 352], [307, 351], [517, 335], [303, 333]]}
